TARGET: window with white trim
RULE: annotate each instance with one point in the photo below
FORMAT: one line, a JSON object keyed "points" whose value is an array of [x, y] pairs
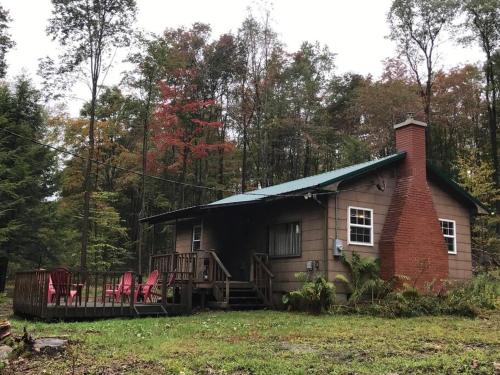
{"points": [[448, 227], [285, 240], [196, 242], [360, 226]]}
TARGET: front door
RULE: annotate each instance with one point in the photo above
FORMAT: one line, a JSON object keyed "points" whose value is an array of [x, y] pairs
{"points": [[233, 252]]}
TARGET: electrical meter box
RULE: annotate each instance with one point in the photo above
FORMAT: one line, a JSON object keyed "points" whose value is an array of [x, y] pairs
{"points": [[310, 265], [338, 247]]}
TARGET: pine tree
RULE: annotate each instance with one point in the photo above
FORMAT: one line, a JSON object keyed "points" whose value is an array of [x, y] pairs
{"points": [[27, 172]]}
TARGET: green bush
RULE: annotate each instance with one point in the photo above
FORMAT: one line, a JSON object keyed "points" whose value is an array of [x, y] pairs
{"points": [[465, 299], [482, 291], [314, 296]]}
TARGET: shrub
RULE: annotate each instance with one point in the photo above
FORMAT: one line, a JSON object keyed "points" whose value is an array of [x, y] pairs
{"points": [[464, 299], [314, 296], [364, 281], [482, 291]]}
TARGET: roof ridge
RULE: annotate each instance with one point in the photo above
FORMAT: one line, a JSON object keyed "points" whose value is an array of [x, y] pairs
{"points": [[302, 182], [324, 173]]}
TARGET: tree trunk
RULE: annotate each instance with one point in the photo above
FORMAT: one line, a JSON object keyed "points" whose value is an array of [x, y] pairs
{"points": [[492, 125], [88, 182], [244, 161]]}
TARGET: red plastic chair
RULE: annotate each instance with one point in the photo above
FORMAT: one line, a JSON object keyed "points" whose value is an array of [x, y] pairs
{"points": [[144, 290], [124, 287], [61, 281]]}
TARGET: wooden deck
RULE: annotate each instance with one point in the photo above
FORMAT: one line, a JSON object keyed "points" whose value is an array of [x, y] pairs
{"points": [[31, 296], [181, 275]]}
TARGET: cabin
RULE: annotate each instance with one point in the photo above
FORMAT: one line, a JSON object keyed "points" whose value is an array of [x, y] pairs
{"points": [[243, 251], [247, 248]]}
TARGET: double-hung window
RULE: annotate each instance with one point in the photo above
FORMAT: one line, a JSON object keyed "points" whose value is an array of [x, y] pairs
{"points": [[360, 226], [285, 240], [196, 240], [448, 227]]}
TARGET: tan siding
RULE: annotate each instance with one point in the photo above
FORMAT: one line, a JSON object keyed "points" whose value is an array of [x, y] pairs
{"points": [[460, 264], [311, 216], [184, 232], [363, 193]]}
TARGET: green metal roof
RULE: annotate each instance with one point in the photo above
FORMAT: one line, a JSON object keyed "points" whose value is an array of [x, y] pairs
{"points": [[316, 181]]}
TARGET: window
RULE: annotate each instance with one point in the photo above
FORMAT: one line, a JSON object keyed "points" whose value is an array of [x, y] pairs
{"points": [[196, 244], [285, 240], [360, 226], [448, 227]]}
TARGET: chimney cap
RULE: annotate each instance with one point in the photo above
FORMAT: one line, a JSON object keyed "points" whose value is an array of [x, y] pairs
{"points": [[410, 121]]}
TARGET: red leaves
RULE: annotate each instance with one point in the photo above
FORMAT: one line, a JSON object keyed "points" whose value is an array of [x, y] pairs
{"points": [[182, 130]]}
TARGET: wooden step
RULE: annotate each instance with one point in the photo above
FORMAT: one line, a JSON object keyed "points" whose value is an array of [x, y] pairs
{"points": [[242, 296], [150, 310], [247, 306], [240, 285]]}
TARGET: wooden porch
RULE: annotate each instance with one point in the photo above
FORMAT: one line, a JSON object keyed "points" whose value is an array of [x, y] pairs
{"points": [[214, 284], [183, 277], [171, 295]]}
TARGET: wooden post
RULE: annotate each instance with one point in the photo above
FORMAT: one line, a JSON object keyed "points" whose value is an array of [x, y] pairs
{"points": [[164, 284], [132, 292], [189, 294], [252, 266]]}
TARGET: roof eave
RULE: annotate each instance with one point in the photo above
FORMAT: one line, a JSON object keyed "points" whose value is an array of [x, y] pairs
{"points": [[479, 207]]}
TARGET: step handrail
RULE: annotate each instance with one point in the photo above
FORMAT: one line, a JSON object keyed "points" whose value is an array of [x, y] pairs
{"points": [[263, 265], [219, 262], [262, 277], [219, 273]]}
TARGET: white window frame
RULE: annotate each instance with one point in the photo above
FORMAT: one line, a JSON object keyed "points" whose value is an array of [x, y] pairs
{"points": [[454, 252], [192, 236], [359, 226]]}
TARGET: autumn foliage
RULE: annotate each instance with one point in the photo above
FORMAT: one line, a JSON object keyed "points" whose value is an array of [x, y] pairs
{"points": [[182, 130]]}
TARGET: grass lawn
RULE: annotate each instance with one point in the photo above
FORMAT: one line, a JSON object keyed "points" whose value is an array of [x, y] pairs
{"points": [[269, 342]]}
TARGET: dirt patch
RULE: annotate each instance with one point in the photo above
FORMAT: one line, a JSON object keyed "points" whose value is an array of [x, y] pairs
{"points": [[298, 348]]}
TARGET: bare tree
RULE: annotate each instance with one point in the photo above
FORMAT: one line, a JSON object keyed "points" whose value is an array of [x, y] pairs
{"points": [[416, 26]]}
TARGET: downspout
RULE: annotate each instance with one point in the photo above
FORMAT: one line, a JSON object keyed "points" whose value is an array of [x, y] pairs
{"points": [[325, 238], [325, 232]]}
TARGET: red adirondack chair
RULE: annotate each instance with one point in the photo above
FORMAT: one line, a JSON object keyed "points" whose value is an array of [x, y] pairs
{"points": [[52, 291], [144, 290], [124, 287], [61, 281]]}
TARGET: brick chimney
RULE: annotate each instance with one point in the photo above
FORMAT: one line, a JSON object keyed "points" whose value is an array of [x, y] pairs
{"points": [[411, 242]]}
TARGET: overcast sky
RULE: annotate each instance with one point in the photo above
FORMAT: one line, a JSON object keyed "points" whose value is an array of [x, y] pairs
{"points": [[355, 30]]}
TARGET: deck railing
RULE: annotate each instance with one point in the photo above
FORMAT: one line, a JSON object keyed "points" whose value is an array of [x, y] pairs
{"points": [[262, 277], [94, 294], [207, 268], [31, 290], [179, 262]]}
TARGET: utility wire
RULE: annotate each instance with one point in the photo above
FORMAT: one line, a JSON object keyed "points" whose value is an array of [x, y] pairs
{"points": [[60, 150], [63, 151]]}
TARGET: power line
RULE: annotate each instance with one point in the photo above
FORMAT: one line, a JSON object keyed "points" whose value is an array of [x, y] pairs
{"points": [[252, 193], [60, 150], [64, 151]]}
